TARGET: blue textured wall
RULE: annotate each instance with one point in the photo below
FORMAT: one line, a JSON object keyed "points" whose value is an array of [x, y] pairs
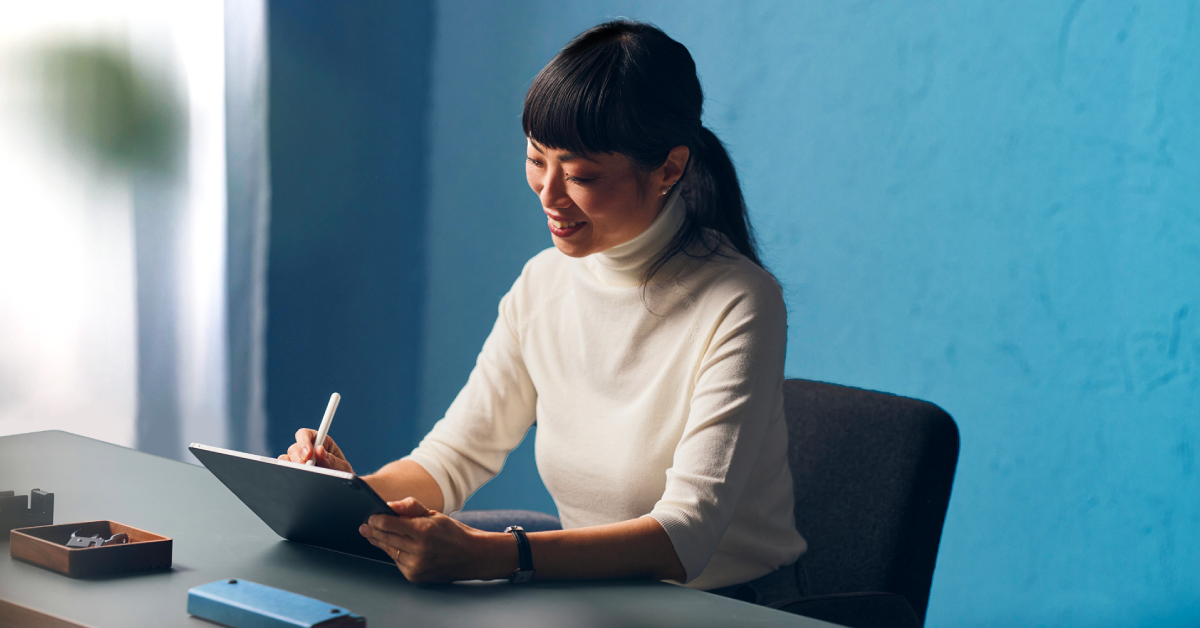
{"points": [[483, 223], [993, 206], [349, 89]]}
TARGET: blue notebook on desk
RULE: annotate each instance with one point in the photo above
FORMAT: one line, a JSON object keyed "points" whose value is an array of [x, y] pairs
{"points": [[244, 604]]}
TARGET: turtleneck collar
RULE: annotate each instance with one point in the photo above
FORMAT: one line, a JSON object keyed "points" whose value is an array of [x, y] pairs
{"points": [[624, 264]]}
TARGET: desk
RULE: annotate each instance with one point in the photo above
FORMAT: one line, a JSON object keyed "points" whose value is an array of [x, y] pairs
{"points": [[216, 536]]}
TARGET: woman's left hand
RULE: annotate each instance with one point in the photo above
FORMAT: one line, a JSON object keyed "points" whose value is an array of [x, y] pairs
{"points": [[431, 547]]}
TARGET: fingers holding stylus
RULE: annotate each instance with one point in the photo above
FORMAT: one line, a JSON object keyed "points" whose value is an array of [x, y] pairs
{"points": [[327, 455], [304, 443], [331, 461], [299, 452], [326, 422]]}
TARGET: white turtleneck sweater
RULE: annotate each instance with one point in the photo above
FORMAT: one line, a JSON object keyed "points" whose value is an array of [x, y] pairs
{"points": [[665, 402]]}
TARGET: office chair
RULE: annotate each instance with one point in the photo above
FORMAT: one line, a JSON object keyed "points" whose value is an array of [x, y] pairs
{"points": [[871, 474]]}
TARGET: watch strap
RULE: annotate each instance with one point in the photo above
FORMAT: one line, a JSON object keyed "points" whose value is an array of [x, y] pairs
{"points": [[524, 572]]}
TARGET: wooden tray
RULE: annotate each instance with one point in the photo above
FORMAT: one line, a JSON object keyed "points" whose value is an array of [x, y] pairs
{"points": [[45, 546]]}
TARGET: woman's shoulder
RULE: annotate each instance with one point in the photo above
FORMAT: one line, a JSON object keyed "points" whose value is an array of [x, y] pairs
{"points": [[730, 295], [726, 275]]}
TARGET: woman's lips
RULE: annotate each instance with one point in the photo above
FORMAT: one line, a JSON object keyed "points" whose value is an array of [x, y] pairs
{"points": [[563, 229]]}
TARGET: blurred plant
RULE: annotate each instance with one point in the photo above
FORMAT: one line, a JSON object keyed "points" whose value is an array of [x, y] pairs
{"points": [[119, 112]]}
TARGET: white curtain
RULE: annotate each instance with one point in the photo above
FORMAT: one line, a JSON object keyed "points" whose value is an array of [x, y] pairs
{"points": [[248, 182], [112, 281]]}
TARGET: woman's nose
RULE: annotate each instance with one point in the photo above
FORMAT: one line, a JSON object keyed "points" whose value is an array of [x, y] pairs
{"points": [[554, 193]]}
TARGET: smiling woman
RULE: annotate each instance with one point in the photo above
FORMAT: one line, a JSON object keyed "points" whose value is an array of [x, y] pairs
{"points": [[595, 202], [647, 345]]}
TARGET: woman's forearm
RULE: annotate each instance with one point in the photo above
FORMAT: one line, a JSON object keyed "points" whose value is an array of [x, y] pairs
{"points": [[639, 548], [405, 478], [629, 549]]}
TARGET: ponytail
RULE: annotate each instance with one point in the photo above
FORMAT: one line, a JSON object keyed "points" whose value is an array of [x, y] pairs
{"points": [[713, 202]]}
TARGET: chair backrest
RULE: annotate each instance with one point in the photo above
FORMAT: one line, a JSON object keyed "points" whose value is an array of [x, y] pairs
{"points": [[872, 477]]}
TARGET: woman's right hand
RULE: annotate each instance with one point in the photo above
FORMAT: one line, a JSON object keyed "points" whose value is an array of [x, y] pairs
{"points": [[328, 455]]}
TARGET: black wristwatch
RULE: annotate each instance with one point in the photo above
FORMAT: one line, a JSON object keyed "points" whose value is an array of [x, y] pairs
{"points": [[524, 572]]}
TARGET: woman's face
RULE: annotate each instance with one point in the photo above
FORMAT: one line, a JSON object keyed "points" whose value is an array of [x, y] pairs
{"points": [[594, 202]]}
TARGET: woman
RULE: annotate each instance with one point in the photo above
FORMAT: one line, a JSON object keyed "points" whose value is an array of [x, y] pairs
{"points": [[648, 345]]}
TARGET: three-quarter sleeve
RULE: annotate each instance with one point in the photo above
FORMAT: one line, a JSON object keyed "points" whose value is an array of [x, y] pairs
{"points": [[487, 420], [736, 400]]}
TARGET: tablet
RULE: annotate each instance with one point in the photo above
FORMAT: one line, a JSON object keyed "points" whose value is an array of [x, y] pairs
{"points": [[310, 505]]}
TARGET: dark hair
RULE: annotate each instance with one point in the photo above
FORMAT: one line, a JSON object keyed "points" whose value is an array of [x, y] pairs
{"points": [[626, 87]]}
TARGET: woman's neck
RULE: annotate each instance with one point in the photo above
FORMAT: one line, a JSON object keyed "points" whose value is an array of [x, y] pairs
{"points": [[626, 263]]}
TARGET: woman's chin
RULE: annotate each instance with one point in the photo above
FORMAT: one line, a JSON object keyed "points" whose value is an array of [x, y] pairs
{"points": [[571, 248]]}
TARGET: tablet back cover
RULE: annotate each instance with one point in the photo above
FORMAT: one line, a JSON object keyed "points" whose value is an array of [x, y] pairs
{"points": [[314, 506]]}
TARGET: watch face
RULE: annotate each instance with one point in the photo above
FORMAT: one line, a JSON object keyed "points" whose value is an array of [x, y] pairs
{"points": [[521, 577]]}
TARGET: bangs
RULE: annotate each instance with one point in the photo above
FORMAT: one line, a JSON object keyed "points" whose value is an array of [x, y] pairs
{"points": [[577, 102]]}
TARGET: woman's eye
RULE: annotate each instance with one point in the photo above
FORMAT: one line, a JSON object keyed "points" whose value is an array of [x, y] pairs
{"points": [[532, 161], [577, 179]]}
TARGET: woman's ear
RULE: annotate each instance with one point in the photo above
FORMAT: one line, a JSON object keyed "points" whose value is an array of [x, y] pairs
{"points": [[672, 169]]}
